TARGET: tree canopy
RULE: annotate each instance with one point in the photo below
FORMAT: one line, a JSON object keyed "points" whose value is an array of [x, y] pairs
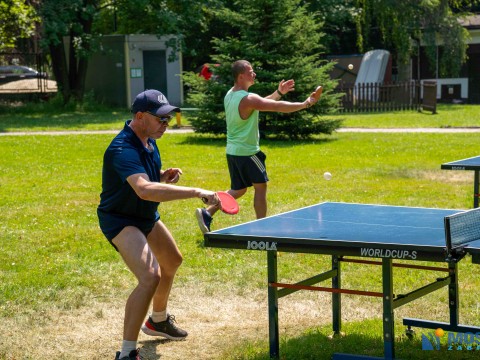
{"points": [[17, 21], [401, 26], [282, 40], [72, 19], [347, 26]]}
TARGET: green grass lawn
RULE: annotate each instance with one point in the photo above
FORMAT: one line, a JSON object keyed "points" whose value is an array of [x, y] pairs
{"points": [[54, 256], [447, 116]]}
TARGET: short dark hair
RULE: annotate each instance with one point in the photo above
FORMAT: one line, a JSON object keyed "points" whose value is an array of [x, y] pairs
{"points": [[238, 67]]}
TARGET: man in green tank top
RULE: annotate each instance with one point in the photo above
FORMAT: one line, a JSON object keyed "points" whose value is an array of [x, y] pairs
{"points": [[246, 162]]}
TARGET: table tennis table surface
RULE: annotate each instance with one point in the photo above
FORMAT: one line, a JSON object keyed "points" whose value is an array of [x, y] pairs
{"points": [[472, 163], [343, 230], [347, 228]]}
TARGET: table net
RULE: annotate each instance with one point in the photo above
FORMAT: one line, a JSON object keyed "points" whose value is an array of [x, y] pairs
{"points": [[462, 228]]}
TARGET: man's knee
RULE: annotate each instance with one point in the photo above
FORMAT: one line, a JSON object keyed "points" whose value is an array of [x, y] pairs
{"points": [[260, 188], [172, 264], [150, 279]]}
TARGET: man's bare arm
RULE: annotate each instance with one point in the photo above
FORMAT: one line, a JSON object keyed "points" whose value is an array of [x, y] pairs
{"points": [[158, 192]]}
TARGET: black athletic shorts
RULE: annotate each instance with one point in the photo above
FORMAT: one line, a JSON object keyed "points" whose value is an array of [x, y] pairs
{"points": [[111, 225], [246, 170]]}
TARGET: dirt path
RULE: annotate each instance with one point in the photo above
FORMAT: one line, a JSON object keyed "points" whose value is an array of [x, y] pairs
{"points": [[215, 322]]}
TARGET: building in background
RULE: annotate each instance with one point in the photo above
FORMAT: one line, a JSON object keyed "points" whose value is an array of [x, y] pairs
{"points": [[126, 65], [465, 87]]}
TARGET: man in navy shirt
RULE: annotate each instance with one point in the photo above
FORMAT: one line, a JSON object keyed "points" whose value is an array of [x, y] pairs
{"points": [[133, 184]]}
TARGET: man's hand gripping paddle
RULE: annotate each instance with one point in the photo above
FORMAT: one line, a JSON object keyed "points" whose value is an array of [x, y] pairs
{"points": [[228, 204]]}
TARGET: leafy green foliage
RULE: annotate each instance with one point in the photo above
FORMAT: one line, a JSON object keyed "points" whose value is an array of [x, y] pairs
{"points": [[83, 21], [339, 18], [17, 20], [400, 26], [191, 22], [282, 41], [72, 19], [208, 97]]}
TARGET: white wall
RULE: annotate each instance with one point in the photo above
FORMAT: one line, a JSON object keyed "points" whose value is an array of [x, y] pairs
{"points": [[134, 47], [463, 82]]}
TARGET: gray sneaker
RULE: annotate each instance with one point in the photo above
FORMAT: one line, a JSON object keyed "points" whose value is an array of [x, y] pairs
{"points": [[204, 219], [166, 328]]}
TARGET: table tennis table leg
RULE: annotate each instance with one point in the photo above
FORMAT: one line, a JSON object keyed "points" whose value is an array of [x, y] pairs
{"points": [[388, 319], [453, 296], [475, 188], [336, 297], [273, 305]]}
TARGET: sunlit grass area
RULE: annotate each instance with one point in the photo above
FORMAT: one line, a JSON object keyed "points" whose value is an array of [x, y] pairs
{"points": [[54, 257]]}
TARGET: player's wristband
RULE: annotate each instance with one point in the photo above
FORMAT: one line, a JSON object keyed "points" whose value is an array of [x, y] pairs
{"points": [[279, 93]]}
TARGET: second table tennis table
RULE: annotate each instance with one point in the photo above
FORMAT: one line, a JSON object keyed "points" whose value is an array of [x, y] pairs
{"points": [[473, 164], [361, 231]]}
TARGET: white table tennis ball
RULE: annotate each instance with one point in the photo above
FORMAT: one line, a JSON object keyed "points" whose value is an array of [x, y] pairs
{"points": [[327, 176], [350, 66]]}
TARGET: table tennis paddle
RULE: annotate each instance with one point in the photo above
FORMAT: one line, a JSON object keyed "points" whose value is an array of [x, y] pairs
{"points": [[228, 203]]}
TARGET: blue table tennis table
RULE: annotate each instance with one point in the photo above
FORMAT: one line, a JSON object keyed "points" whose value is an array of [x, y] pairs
{"points": [[368, 235], [472, 164]]}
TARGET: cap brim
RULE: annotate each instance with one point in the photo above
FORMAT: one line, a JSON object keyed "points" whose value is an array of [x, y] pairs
{"points": [[165, 109]]}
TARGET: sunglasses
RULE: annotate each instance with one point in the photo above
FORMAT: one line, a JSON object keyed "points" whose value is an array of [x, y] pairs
{"points": [[163, 118]]}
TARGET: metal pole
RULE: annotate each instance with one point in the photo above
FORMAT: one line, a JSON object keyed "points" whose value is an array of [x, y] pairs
{"points": [[388, 327], [273, 305]]}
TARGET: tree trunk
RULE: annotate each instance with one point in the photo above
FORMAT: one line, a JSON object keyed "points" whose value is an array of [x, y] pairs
{"points": [[60, 69]]}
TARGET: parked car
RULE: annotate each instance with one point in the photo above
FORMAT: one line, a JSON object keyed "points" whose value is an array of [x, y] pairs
{"points": [[10, 73]]}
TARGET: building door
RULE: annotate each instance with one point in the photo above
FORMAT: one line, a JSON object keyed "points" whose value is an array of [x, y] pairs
{"points": [[155, 70]]}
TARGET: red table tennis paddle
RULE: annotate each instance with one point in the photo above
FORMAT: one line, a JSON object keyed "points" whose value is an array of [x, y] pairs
{"points": [[228, 203]]}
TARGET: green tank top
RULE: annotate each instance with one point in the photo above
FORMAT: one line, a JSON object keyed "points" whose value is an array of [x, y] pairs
{"points": [[242, 135]]}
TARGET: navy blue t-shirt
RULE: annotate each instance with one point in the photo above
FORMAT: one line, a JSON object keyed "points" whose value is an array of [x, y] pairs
{"points": [[119, 204]]}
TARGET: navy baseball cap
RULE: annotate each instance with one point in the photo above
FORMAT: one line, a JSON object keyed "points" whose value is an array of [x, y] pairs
{"points": [[152, 101]]}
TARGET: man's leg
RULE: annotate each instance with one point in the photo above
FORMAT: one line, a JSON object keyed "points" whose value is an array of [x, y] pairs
{"points": [[132, 246], [260, 199], [169, 257]]}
